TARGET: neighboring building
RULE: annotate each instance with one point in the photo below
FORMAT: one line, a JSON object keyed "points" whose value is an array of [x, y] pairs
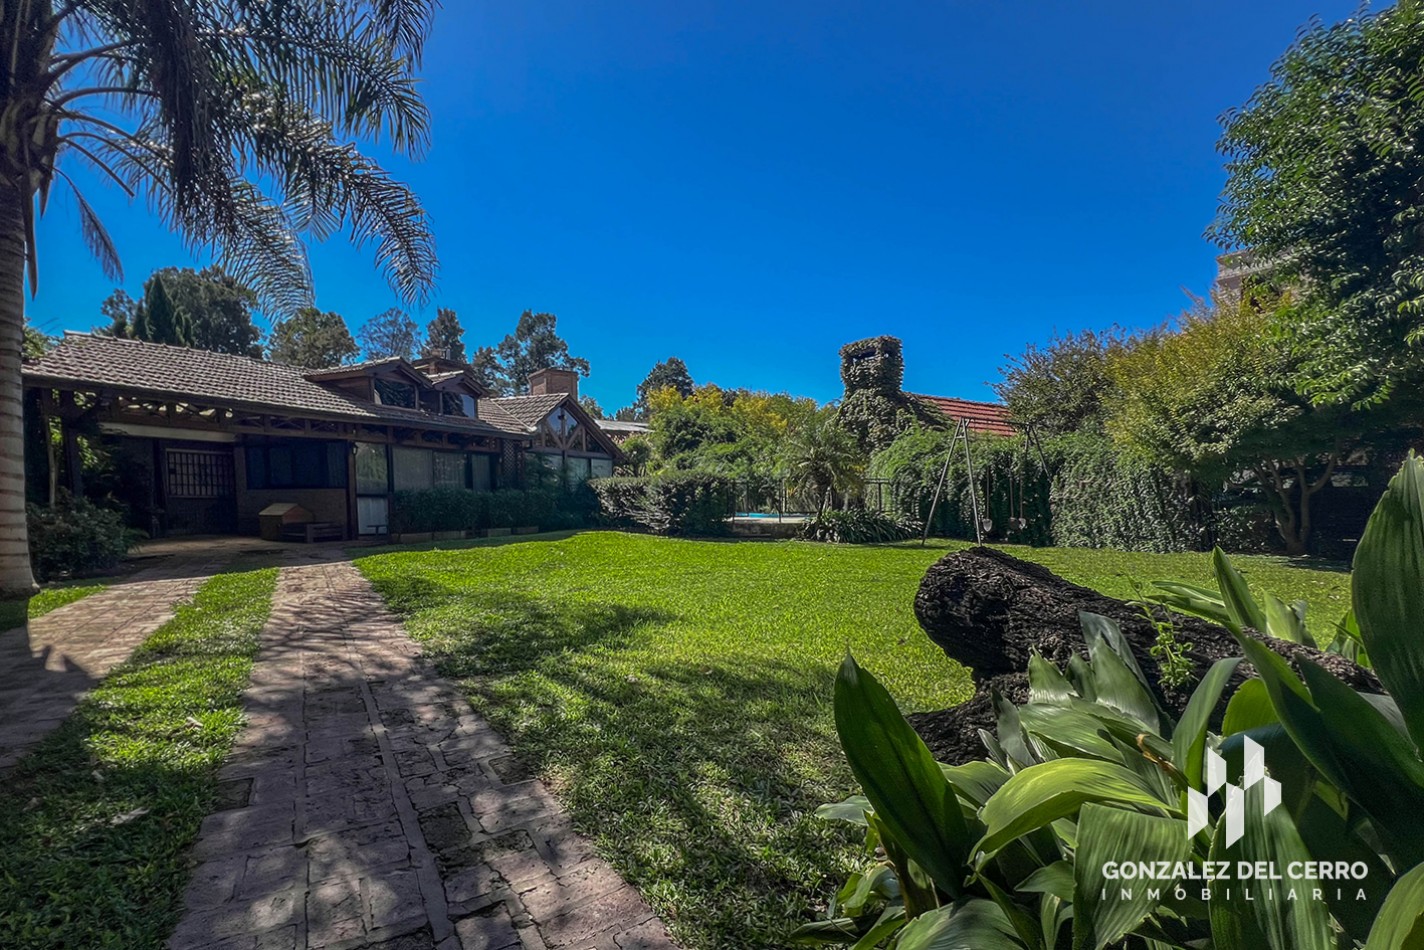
{"points": [[986, 418], [205, 441]]}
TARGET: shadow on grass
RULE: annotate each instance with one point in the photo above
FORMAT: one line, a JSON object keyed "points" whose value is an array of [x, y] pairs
{"points": [[697, 779]]}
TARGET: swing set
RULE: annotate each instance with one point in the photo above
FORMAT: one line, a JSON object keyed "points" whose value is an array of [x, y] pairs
{"points": [[984, 523]]}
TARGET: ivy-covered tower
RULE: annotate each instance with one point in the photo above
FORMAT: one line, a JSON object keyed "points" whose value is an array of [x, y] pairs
{"points": [[875, 409]]}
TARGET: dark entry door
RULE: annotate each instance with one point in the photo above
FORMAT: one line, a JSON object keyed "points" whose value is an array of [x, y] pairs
{"points": [[200, 491]]}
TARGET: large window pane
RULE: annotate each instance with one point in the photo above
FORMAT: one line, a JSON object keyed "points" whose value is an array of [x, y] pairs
{"points": [[413, 468], [481, 469], [602, 468], [576, 471], [371, 476], [449, 470], [336, 464]]}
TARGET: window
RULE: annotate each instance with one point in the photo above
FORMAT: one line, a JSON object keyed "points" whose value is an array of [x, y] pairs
{"points": [[372, 473], [562, 421], [449, 470], [602, 468], [576, 471], [413, 469], [481, 471], [199, 474], [391, 393], [297, 464], [458, 404]]}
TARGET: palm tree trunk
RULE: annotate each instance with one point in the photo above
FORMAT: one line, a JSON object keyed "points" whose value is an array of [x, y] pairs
{"points": [[17, 584]]}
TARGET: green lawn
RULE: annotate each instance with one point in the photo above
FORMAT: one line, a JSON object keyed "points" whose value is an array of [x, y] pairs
{"points": [[94, 822], [52, 598], [676, 694]]}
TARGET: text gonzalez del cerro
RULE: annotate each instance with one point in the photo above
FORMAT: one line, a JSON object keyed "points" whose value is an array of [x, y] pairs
{"points": [[1169, 871]]}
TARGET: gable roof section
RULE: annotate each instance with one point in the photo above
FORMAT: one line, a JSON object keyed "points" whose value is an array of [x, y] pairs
{"points": [[136, 367], [987, 418], [532, 410]]}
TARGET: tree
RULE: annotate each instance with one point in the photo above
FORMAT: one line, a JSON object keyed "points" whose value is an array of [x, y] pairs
{"points": [[1323, 190], [824, 462], [444, 337], [591, 406], [157, 320], [1061, 387], [484, 366], [312, 339], [216, 309], [120, 310], [1216, 399], [392, 333], [36, 344], [535, 344], [172, 102], [671, 373]]}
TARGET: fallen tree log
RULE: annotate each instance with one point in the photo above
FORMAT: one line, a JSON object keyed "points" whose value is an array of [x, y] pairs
{"points": [[991, 612]]}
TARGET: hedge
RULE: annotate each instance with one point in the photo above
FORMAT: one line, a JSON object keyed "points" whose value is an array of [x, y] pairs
{"points": [[677, 503], [458, 509]]}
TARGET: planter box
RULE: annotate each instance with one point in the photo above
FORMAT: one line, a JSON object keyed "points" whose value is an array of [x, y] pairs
{"points": [[494, 533], [448, 535], [527, 529], [412, 537]]}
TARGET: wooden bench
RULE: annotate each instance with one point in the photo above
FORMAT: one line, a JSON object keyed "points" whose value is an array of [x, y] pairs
{"points": [[312, 531]]}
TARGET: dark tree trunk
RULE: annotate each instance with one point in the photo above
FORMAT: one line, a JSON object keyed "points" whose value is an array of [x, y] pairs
{"points": [[992, 612], [16, 582]]}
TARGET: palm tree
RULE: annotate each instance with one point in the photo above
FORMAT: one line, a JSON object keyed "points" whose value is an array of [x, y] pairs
{"points": [[822, 460], [234, 120]]}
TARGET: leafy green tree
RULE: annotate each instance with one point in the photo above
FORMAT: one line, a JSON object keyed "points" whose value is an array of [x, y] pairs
{"points": [[392, 333], [1216, 399], [120, 310], [824, 463], [671, 373], [444, 337], [638, 452], [535, 344], [1323, 189], [216, 310], [312, 339], [591, 406], [158, 320], [171, 101], [484, 366], [1061, 387], [36, 344]]}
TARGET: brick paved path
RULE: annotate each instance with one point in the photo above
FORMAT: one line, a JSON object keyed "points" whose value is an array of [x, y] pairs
{"points": [[366, 806], [69, 649]]}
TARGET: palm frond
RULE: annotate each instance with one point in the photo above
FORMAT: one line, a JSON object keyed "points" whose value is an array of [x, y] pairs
{"points": [[96, 236]]}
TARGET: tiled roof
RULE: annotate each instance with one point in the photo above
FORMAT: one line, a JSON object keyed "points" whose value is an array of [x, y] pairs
{"points": [[531, 410], [990, 418], [233, 381]]}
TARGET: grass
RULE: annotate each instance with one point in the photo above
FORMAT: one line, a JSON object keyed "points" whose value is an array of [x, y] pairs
{"points": [[52, 598], [676, 694], [95, 821]]}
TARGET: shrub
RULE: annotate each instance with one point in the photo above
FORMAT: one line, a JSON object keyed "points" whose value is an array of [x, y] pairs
{"points": [[679, 503], [439, 509], [1015, 849], [859, 526], [76, 538], [457, 509]]}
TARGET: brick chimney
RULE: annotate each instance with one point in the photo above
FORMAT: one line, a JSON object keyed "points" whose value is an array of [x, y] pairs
{"points": [[543, 382]]}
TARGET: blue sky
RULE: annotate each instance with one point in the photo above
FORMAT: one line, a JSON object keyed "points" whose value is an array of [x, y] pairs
{"points": [[750, 185]]}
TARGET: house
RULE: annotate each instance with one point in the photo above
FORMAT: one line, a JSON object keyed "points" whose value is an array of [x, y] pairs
{"points": [[204, 441], [984, 418], [566, 439]]}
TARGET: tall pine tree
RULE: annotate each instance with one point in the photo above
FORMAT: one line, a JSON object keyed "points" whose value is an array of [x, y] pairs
{"points": [[158, 320], [444, 337]]}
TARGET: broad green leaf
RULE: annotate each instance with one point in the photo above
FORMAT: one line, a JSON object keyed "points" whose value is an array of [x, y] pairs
{"points": [[1240, 604], [819, 933], [1329, 837], [1046, 683], [1111, 834], [1055, 879], [1012, 739], [974, 924], [1057, 789], [1249, 707], [1283, 623], [1081, 676], [1190, 599], [1189, 738], [889, 922], [1117, 679], [975, 781], [1069, 731], [902, 781], [1400, 925], [851, 810], [878, 882], [1388, 587], [1351, 744], [1242, 913], [1028, 930]]}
